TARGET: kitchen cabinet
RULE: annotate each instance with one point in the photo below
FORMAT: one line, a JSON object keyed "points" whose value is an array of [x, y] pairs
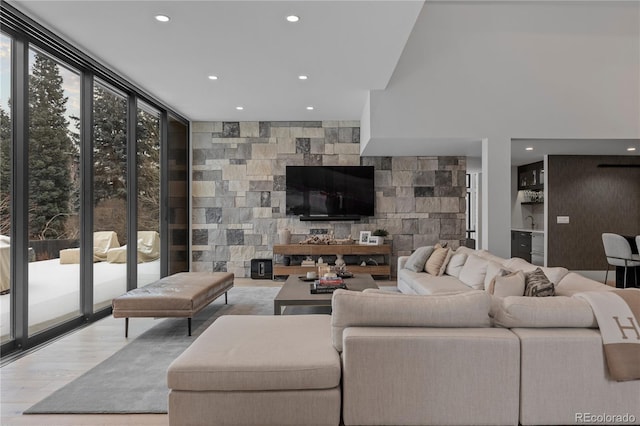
{"points": [[521, 245], [531, 176]]}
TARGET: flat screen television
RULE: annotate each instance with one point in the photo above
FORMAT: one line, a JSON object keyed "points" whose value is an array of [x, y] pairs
{"points": [[330, 192]]}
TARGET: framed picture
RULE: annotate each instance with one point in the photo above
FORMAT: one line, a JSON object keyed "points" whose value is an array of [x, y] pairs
{"points": [[374, 240], [364, 237]]}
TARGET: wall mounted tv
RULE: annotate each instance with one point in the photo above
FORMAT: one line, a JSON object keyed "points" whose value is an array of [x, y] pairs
{"points": [[330, 192]]}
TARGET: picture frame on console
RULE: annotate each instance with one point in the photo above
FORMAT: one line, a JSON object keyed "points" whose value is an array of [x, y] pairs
{"points": [[364, 237], [375, 241]]}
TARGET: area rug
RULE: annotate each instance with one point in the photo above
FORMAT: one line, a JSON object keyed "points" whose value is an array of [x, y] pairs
{"points": [[134, 379]]}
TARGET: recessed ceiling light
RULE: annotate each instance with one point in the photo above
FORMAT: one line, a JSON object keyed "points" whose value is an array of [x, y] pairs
{"points": [[303, 77], [162, 18], [631, 148], [213, 77], [239, 108], [310, 108], [529, 148], [293, 18]]}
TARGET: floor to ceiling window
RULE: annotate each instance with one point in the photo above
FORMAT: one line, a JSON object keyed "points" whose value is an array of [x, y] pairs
{"points": [[54, 191], [109, 193], [76, 171], [5, 182], [148, 185]]}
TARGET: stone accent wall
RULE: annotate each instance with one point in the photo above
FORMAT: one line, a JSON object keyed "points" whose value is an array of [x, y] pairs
{"points": [[238, 191]]}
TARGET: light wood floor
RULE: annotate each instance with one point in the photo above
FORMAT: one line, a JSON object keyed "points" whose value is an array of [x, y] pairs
{"points": [[32, 377]]}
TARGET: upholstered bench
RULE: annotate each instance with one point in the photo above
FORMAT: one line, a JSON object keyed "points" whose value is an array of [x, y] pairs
{"points": [[179, 295], [249, 370]]}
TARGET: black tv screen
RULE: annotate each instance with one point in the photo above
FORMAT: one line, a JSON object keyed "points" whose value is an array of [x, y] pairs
{"points": [[330, 192]]}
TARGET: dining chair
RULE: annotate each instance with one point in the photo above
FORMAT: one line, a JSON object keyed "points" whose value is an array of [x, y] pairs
{"points": [[618, 252]]}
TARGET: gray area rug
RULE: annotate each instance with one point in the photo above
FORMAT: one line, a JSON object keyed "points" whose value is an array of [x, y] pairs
{"points": [[134, 379]]}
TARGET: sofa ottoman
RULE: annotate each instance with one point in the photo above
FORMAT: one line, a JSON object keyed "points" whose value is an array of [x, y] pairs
{"points": [[249, 370]]}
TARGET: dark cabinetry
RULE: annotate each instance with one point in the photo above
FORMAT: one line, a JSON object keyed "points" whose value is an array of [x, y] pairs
{"points": [[521, 245], [531, 176]]}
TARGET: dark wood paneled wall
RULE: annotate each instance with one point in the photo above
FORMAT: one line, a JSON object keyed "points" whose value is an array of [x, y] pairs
{"points": [[597, 200]]}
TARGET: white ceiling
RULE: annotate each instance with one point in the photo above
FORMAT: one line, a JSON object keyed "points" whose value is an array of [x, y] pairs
{"points": [[345, 47]]}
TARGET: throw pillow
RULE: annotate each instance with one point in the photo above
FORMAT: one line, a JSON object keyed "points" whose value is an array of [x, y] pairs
{"points": [[436, 260], [418, 259], [455, 264], [492, 271], [538, 285], [474, 271], [447, 258], [508, 284]]}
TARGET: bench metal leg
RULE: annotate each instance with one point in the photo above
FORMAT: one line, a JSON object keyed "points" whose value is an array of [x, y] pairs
{"points": [[126, 327], [225, 298], [189, 325]]}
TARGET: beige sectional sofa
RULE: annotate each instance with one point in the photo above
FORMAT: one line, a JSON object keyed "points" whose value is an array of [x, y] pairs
{"points": [[442, 353]]}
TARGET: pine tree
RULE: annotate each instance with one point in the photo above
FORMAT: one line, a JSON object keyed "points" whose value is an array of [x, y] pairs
{"points": [[51, 151], [148, 157], [5, 172]]}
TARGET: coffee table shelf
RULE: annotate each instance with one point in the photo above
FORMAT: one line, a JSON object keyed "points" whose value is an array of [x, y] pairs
{"points": [[332, 249]]}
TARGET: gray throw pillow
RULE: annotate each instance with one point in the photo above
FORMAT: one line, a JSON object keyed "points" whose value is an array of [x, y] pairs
{"points": [[538, 285], [418, 258]]}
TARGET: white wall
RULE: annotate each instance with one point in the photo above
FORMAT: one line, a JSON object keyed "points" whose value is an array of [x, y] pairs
{"points": [[497, 71]]}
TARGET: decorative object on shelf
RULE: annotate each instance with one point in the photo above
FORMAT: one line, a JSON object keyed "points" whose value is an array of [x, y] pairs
{"points": [[380, 233], [286, 261], [364, 237], [340, 261], [284, 235], [375, 241]]}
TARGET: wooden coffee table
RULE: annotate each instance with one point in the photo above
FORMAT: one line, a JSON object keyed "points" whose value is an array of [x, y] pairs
{"points": [[295, 292]]}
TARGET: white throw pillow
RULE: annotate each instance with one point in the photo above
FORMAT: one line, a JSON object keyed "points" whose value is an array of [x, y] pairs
{"points": [[508, 285], [418, 259], [474, 271], [493, 269], [455, 264]]}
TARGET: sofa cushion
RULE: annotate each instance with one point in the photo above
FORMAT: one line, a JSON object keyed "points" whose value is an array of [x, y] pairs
{"points": [[507, 284], [423, 283], [544, 312], [438, 258], [555, 274], [574, 283], [455, 264], [537, 284], [490, 256], [493, 269], [357, 309], [474, 271], [418, 259]]}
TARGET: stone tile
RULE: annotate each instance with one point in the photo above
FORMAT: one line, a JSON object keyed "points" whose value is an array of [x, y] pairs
{"points": [[389, 192], [450, 191], [405, 205], [203, 189], [404, 163], [201, 127], [349, 123], [356, 135], [218, 237], [198, 216], [280, 183], [421, 240], [385, 205], [265, 199], [329, 148], [280, 124], [443, 162], [234, 172], [427, 204], [264, 129], [200, 237], [280, 132], [238, 185], [231, 129], [428, 163], [259, 168], [243, 152], [237, 161], [286, 145], [261, 212], [382, 178], [423, 191], [219, 266], [403, 242], [199, 156], [311, 123], [404, 191], [264, 151], [428, 226], [241, 252], [425, 178], [449, 204], [330, 123], [410, 226], [303, 146], [312, 159], [213, 214], [313, 132], [349, 160], [402, 178], [235, 237], [260, 185], [201, 140], [296, 132], [449, 227], [253, 240], [347, 148], [330, 160], [202, 256], [345, 134], [222, 252], [249, 129], [443, 178], [331, 135], [317, 146]]}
